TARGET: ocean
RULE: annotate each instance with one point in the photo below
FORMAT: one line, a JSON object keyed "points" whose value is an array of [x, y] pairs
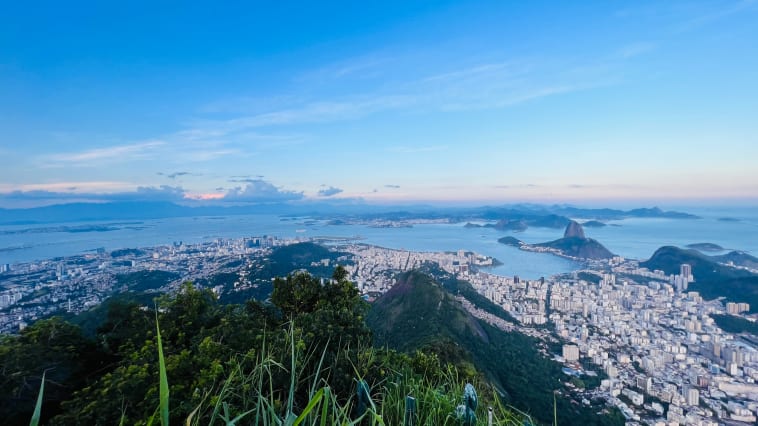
{"points": [[733, 229]]}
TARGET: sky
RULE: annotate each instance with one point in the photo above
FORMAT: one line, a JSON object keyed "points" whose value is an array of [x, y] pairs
{"points": [[379, 102]]}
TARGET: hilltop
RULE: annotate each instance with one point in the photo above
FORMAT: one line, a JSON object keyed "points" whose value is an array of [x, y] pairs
{"points": [[704, 268], [575, 244], [705, 247], [712, 279], [583, 248], [739, 258], [510, 241], [417, 311]]}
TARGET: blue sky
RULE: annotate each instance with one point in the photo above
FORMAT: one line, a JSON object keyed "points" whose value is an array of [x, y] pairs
{"points": [[381, 101]]}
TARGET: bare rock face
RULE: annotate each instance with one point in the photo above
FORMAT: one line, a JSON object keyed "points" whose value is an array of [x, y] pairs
{"points": [[574, 229]]}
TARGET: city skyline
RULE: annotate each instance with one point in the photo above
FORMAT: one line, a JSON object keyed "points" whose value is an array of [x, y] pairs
{"points": [[395, 103]]}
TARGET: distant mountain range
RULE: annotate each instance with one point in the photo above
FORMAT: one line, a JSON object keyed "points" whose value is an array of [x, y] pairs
{"points": [[705, 247], [516, 217]]}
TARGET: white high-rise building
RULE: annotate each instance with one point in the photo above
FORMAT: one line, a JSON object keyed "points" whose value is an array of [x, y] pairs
{"points": [[571, 353], [693, 397], [685, 270]]}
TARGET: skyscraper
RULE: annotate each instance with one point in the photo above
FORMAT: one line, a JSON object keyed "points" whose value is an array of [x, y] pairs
{"points": [[685, 270]]}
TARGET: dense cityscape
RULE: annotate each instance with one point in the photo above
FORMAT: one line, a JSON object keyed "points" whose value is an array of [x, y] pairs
{"points": [[651, 339]]}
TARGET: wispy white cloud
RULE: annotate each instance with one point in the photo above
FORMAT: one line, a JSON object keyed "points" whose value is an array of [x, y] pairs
{"points": [[202, 155], [119, 152], [317, 112], [486, 69], [363, 66], [477, 85], [68, 186], [636, 49], [416, 149], [717, 12]]}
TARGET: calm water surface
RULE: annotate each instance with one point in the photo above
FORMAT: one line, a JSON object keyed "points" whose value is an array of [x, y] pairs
{"points": [[633, 238]]}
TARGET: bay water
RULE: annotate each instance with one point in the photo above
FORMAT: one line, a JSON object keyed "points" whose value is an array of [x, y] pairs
{"points": [[733, 229]]}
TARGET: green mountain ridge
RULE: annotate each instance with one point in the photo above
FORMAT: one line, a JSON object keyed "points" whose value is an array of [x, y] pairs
{"points": [[712, 279], [420, 313], [416, 311], [739, 258]]}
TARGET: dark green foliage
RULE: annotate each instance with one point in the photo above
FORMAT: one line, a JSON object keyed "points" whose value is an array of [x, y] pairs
{"points": [[90, 320], [145, 280], [286, 259], [416, 312], [127, 252], [331, 316], [590, 278], [734, 324], [463, 288], [50, 346], [283, 261], [224, 279], [117, 373]]}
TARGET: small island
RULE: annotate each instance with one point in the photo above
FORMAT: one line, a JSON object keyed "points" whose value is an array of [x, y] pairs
{"points": [[511, 225], [705, 247], [574, 244], [728, 219], [510, 241], [593, 224]]}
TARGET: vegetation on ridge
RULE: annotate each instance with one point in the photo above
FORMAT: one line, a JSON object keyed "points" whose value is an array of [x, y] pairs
{"points": [[419, 313], [256, 362]]}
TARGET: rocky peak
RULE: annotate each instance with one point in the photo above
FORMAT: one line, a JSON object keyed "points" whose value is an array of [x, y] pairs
{"points": [[574, 229]]}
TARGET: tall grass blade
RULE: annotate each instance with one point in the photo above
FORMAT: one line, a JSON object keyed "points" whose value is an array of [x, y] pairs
{"points": [[318, 369], [38, 407], [325, 404], [151, 420], [290, 400], [308, 408], [163, 378], [555, 412]]}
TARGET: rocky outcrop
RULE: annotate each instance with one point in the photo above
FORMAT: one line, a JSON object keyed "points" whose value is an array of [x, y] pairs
{"points": [[574, 229]]}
